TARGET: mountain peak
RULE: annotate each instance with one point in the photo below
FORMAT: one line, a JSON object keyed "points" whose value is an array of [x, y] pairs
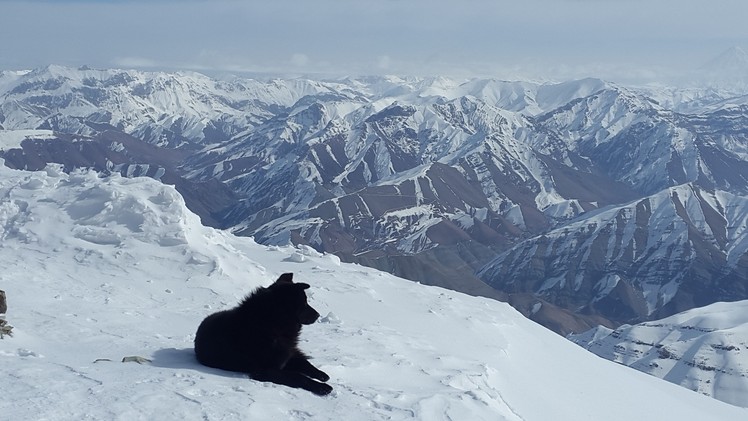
{"points": [[729, 70], [734, 58]]}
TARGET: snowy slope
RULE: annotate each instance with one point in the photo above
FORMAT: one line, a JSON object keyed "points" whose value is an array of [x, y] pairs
{"points": [[703, 349], [100, 268], [10, 139]]}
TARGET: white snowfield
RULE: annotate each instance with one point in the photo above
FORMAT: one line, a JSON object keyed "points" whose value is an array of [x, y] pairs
{"points": [[11, 139], [110, 268]]}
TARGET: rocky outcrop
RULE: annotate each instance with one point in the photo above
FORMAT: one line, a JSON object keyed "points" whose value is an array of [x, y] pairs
{"points": [[3, 302]]}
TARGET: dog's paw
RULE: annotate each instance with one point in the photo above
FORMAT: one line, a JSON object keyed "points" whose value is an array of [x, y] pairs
{"points": [[322, 376], [321, 389]]}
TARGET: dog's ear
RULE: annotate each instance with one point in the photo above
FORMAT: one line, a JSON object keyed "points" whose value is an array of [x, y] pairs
{"points": [[286, 278]]}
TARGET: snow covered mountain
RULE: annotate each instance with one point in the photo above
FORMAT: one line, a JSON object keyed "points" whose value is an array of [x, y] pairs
{"points": [[729, 70], [681, 248], [429, 178], [101, 268], [703, 349]]}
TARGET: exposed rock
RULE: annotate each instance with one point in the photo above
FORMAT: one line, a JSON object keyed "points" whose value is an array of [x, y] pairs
{"points": [[3, 302]]}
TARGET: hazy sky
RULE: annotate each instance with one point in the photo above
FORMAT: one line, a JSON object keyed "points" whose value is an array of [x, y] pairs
{"points": [[617, 39]]}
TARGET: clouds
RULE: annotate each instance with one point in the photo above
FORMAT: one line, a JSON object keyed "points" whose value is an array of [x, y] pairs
{"points": [[470, 37]]}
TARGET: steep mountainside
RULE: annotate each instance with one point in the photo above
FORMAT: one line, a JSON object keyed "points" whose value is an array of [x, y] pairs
{"points": [[683, 247], [429, 178], [703, 349]]}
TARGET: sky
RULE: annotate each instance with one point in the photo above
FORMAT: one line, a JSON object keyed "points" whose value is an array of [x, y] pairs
{"points": [[615, 39]]}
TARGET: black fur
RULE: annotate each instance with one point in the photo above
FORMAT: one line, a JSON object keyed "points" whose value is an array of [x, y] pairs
{"points": [[260, 336]]}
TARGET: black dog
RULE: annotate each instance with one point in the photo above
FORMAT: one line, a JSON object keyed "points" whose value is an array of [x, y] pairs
{"points": [[260, 336]]}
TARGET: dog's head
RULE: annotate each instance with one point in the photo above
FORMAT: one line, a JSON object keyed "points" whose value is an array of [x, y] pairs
{"points": [[295, 298]]}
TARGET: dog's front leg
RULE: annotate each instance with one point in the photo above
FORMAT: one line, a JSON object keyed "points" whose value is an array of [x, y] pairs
{"points": [[300, 364]]}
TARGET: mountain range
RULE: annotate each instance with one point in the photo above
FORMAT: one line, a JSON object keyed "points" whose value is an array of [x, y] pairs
{"points": [[581, 202]]}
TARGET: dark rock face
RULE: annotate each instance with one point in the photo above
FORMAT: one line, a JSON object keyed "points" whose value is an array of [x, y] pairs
{"points": [[3, 303], [5, 328]]}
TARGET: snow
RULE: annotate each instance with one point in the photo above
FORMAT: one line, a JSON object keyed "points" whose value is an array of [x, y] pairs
{"points": [[415, 221], [12, 139], [605, 286], [515, 216], [98, 269]]}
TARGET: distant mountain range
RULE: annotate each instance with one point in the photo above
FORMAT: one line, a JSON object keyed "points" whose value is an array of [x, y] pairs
{"points": [[581, 202]]}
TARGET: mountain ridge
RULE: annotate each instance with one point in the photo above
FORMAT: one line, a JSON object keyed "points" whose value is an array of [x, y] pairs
{"points": [[701, 349]]}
